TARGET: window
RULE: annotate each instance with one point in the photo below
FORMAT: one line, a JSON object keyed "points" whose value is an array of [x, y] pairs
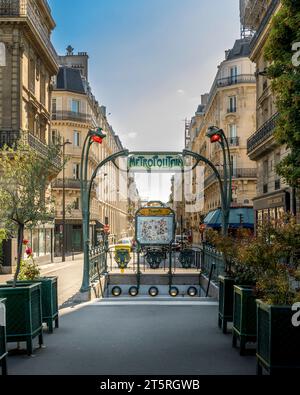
{"points": [[43, 89], [233, 74], [75, 106], [77, 204], [76, 171], [2, 55], [76, 138], [55, 137], [234, 165], [232, 130], [232, 104], [54, 106], [233, 139], [31, 75]]}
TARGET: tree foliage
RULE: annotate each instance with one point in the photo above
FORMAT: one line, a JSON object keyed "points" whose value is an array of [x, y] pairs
{"points": [[285, 76], [24, 180]]}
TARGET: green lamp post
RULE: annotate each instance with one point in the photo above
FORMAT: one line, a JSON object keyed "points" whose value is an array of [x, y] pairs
{"points": [[217, 135], [93, 136]]}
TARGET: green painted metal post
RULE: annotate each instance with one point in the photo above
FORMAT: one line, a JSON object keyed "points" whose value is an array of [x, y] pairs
{"points": [[86, 188]]}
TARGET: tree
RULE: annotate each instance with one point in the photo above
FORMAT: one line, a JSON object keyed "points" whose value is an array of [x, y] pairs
{"points": [[285, 76], [24, 200]]}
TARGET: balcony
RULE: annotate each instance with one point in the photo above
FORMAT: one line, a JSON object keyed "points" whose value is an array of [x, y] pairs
{"points": [[11, 138], [233, 141], [230, 81], [234, 80], [70, 183], [249, 173], [231, 110], [71, 116], [24, 9], [262, 134], [265, 21]]}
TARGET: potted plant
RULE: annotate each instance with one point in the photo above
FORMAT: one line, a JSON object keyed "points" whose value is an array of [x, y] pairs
{"points": [[278, 339], [3, 349], [244, 298], [30, 274], [225, 245], [23, 313], [25, 203]]}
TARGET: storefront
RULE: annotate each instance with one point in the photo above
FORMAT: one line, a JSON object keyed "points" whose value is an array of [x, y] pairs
{"points": [[41, 240], [73, 230], [272, 208]]}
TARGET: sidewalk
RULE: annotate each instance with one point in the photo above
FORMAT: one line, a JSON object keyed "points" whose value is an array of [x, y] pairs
{"points": [[69, 275], [128, 338]]}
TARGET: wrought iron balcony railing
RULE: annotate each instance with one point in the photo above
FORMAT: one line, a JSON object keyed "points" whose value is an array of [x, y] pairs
{"points": [[263, 133], [250, 173], [234, 141], [71, 116], [231, 110], [24, 9], [230, 81], [11, 138], [70, 183]]}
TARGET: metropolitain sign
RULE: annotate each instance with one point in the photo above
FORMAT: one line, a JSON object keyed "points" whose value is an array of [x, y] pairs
{"points": [[156, 162]]}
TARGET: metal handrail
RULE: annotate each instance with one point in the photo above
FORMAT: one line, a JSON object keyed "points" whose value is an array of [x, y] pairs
{"points": [[71, 116], [263, 133]]}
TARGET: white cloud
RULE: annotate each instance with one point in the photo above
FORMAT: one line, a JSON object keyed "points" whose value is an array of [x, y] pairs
{"points": [[180, 91]]}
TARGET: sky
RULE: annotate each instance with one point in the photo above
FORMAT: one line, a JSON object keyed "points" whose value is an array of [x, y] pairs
{"points": [[150, 61]]}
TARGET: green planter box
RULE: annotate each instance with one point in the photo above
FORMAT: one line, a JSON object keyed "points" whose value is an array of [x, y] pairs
{"points": [[244, 317], [278, 341], [3, 349], [23, 313], [226, 285], [49, 300]]}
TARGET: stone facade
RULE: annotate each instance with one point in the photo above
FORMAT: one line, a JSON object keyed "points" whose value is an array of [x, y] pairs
{"points": [[230, 105], [75, 111], [274, 197], [27, 65]]}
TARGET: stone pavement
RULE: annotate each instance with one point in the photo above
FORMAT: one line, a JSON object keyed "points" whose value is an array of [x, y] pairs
{"points": [[151, 338]]}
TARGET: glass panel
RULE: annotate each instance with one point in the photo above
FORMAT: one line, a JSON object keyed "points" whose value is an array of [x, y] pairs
{"points": [[75, 106], [42, 242], [35, 243], [48, 241], [272, 213], [259, 217]]}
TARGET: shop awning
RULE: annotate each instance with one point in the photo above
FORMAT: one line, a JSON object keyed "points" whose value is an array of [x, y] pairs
{"points": [[214, 218]]}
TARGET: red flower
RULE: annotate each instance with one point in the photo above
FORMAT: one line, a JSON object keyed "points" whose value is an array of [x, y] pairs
{"points": [[29, 251], [25, 242], [97, 139]]}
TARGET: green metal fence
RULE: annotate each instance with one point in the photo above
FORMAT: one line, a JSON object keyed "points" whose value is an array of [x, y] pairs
{"points": [[211, 261], [97, 262]]}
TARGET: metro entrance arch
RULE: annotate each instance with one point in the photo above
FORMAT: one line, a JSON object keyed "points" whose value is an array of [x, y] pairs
{"points": [[149, 162]]}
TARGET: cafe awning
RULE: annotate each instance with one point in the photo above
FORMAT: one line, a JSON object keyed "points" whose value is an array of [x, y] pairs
{"points": [[214, 218]]}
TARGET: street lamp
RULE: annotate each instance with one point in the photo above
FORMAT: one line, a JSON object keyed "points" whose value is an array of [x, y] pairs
{"points": [[93, 136], [63, 146], [217, 135]]}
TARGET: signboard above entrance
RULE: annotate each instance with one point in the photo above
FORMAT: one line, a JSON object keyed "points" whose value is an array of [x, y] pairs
{"points": [[156, 162], [155, 225]]}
